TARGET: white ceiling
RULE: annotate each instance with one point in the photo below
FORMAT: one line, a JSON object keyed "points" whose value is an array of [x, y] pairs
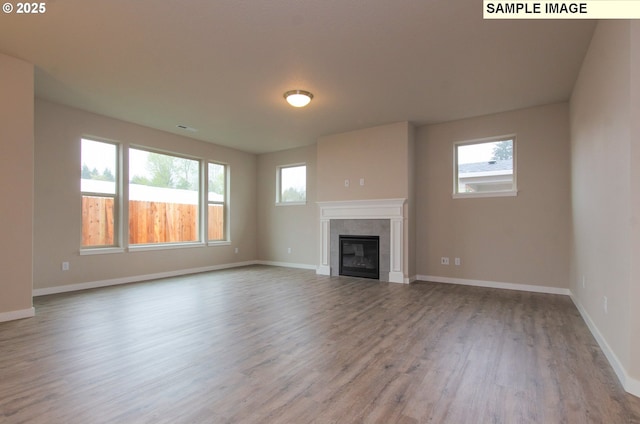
{"points": [[221, 66]]}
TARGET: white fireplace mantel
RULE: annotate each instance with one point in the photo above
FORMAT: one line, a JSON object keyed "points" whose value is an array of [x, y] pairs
{"points": [[391, 209]]}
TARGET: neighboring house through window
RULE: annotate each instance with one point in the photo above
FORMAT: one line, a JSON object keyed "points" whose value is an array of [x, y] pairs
{"points": [[485, 168]]}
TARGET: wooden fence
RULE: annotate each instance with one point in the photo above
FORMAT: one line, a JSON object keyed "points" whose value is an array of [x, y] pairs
{"points": [[149, 222], [97, 221]]}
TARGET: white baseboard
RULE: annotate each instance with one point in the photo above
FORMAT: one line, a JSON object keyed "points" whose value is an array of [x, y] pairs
{"points": [[287, 265], [135, 278], [13, 315], [323, 270], [397, 277], [631, 385], [495, 285]]}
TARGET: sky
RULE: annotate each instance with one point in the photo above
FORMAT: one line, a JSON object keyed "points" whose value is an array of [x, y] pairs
{"points": [[102, 155], [98, 155], [294, 177], [473, 153]]}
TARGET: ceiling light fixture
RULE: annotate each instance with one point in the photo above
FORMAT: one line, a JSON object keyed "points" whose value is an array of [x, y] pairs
{"points": [[298, 98]]}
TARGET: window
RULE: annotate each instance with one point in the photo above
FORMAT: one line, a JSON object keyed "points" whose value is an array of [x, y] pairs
{"points": [[216, 202], [164, 195], [99, 188], [172, 200], [485, 168], [292, 184]]}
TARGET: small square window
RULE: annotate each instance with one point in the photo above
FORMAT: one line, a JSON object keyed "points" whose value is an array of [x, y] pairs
{"points": [[485, 168], [292, 184]]}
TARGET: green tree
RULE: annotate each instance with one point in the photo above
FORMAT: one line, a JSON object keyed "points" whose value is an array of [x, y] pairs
{"points": [[86, 172], [293, 194], [185, 173], [137, 179], [161, 169], [503, 150], [169, 172], [94, 174], [107, 175], [216, 179]]}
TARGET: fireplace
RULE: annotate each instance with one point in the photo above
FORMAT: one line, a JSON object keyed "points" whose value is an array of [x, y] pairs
{"points": [[384, 218], [360, 256]]}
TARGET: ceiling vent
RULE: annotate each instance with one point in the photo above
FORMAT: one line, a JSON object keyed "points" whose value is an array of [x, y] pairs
{"points": [[186, 128]]}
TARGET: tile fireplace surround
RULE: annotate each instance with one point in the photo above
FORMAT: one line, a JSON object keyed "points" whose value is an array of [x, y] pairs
{"points": [[390, 209]]}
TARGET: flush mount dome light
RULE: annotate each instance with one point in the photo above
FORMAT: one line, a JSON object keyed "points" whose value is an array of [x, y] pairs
{"points": [[298, 98]]}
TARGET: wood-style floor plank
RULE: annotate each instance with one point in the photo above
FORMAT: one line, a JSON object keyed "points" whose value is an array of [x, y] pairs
{"points": [[274, 345]]}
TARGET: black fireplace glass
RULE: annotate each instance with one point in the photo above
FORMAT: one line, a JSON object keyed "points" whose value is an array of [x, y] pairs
{"points": [[359, 256]]}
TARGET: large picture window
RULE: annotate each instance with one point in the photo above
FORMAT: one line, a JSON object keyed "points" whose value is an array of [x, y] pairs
{"points": [[163, 198], [485, 168], [99, 187], [216, 202], [172, 200], [292, 184]]}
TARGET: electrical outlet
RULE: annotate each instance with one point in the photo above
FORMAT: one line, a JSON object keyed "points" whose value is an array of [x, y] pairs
{"points": [[361, 181], [444, 261], [346, 183], [457, 261], [288, 250], [236, 250], [605, 305], [65, 266]]}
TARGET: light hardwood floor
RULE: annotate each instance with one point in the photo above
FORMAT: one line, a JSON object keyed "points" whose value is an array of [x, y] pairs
{"points": [[275, 345]]}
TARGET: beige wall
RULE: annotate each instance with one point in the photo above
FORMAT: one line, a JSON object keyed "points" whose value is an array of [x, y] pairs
{"points": [[378, 154], [606, 206], [634, 293], [522, 239], [384, 157], [58, 130], [287, 226], [410, 224], [16, 189]]}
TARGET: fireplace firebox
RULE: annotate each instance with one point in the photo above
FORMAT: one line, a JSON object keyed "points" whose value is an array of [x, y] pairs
{"points": [[359, 256]]}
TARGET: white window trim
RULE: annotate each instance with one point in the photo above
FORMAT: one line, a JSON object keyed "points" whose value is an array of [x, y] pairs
{"points": [[118, 235], [279, 168], [219, 243], [290, 203], [163, 246], [122, 193], [85, 251], [504, 193], [225, 204], [498, 193]]}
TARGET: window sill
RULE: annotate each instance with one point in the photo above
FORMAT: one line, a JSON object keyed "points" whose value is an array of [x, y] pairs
{"points": [[101, 251], [164, 246], [510, 193], [291, 203], [219, 243]]}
